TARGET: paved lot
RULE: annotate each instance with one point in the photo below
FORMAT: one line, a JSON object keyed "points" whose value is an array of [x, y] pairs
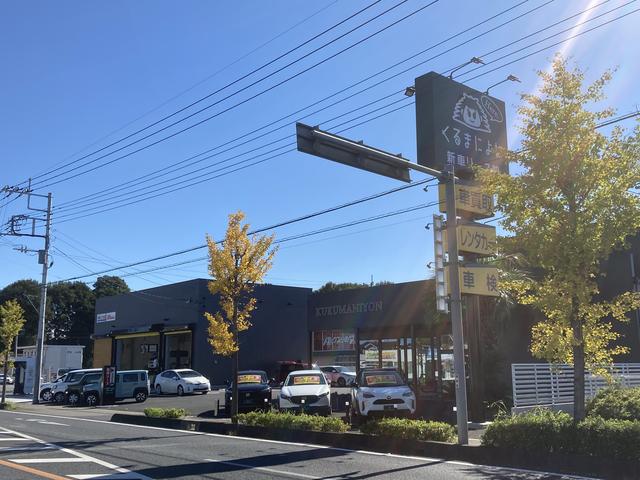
{"points": [[62, 447]]}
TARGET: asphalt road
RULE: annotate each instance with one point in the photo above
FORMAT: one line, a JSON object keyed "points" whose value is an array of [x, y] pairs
{"points": [[61, 447]]}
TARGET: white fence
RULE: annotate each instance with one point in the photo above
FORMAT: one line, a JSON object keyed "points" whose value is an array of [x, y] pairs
{"points": [[547, 384]]}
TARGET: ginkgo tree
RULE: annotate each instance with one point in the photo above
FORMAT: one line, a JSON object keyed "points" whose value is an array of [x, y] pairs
{"points": [[569, 205], [236, 264], [11, 322]]}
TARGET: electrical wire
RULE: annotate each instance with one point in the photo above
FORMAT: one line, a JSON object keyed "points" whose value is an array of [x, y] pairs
{"points": [[48, 183]]}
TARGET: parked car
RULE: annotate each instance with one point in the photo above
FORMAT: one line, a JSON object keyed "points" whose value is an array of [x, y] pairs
{"points": [[129, 384], [340, 376], [59, 388], [46, 394], [73, 394], [381, 392], [283, 368], [181, 381], [9, 379], [305, 391], [254, 392]]}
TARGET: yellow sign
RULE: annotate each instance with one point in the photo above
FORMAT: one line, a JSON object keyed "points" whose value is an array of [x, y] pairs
{"points": [[476, 280], [306, 380], [250, 378], [475, 238], [468, 198]]}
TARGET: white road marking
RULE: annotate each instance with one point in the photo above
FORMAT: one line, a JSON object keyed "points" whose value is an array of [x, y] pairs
{"points": [[45, 422], [308, 445], [47, 460], [108, 476], [13, 439], [263, 469], [25, 449]]}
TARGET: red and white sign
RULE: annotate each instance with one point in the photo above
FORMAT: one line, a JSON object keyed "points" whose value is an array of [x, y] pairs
{"points": [[334, 340]]}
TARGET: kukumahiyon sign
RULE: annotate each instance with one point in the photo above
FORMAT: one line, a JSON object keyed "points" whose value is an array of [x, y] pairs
{"points": [[477, 280], [458, 125], [106, 317], [469, 198], [349, 308], [475, 238]]}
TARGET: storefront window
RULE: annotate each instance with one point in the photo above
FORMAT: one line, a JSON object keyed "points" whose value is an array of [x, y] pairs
{"points": [[334, 347], [177, 350], [137, 353]]}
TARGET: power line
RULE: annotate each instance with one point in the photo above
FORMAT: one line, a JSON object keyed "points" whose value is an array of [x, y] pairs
{"points": [[121, 186], [227, 109], [291, 115], [306, 42]]}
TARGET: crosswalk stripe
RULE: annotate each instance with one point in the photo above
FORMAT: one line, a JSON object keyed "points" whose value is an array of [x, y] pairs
{"points": [[49, 460]]}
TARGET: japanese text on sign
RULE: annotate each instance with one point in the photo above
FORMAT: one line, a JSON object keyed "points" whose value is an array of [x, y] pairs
{"points": [[249, 379], [306, 380], [475, 238], [470, 199], [477, 281]]}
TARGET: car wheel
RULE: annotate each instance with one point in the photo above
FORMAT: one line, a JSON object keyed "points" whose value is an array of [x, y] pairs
{"points": [[73, 398], [205, 392], [158, 390], [91, 399], [342, 382], [59, 397], [141, 396], [46, 395], [180, 391]]}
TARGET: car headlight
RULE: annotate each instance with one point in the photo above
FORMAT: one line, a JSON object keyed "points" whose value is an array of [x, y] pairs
{"points": [[324, 394], [408, 394], [368, 395], [284, 395]]}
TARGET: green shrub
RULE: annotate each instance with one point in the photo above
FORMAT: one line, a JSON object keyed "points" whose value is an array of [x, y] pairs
{"points": [[293, 422], [410, 429], [156, 412], [543, 431], [616, 402], [539, 430], [8, 406]]}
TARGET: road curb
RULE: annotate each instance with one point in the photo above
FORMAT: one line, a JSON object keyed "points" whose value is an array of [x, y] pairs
{"points": [[479, 455]]}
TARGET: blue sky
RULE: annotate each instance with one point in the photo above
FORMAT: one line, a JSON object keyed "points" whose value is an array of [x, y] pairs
{"points": [[76, 72]]}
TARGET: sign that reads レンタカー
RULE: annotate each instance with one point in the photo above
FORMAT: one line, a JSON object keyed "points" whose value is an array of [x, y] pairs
{"points": [[469, 198], [476, 280], [475, 238], [458, 125], [106, 317]]}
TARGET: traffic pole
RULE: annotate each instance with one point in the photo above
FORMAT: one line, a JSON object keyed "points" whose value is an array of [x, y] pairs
{"points": [[455, 307], [43, 306]]}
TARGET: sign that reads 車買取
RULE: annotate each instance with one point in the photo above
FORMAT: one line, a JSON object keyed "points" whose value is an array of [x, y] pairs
{"points": [[476, 280], [469, 198], [458, 125]]}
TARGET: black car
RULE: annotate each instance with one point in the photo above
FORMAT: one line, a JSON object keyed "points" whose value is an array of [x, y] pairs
{"points": [[254, 392], [74, 394]]}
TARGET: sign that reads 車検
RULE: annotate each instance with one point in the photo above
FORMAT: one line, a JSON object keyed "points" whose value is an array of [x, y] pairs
{"points": [[458, 125]]}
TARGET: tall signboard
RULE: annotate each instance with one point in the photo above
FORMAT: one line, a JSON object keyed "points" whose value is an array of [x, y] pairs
{"points": [[458, 125], [108, 384]]}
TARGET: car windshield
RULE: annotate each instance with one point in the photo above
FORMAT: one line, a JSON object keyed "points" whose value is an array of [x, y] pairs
{"points": [[251, 378], [343, 369], [311, 379], [382, 379], [189, 374]]}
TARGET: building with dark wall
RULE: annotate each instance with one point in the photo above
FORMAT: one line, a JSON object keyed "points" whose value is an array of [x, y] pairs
{"points": [[165, 327]]}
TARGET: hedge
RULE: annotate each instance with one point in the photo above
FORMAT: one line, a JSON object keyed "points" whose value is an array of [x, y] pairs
{"points": [[543, 431], [293, 422], [410, 429], [616, 402], [156, 412]]}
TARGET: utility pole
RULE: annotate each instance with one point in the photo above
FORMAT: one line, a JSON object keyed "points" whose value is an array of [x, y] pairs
{"points": [[15, 225], [455, 307]]}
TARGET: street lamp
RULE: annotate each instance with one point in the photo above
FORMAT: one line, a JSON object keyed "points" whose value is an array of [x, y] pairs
{"points": [[476, 60], [510, 78]]}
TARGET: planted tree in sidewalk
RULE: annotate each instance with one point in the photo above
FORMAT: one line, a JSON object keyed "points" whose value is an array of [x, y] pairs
{"points": [[569, 208], [236, 264], [11, 322]]}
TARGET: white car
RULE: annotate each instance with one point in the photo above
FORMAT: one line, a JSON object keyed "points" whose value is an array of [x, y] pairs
{"points": [[381, 392], [181, 381], [340, 376], [9, 379], [305, 391]]}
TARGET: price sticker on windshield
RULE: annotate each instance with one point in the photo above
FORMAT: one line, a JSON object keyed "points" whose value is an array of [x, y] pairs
{"points": [[306, 380], [373, 380], [249, 379]]}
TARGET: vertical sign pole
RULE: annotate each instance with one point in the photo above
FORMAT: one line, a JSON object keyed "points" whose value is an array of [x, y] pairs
{"points": [[456, 310], [43, 308]]}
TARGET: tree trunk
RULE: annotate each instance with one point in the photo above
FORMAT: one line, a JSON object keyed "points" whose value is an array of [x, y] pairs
{"points": [[234, 371], [578, 363], [4, 381]]}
